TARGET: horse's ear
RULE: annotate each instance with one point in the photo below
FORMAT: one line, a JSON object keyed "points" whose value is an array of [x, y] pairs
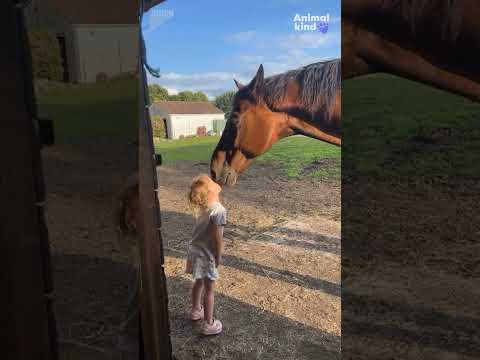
{"points": [[257, 85], [239, 85]]}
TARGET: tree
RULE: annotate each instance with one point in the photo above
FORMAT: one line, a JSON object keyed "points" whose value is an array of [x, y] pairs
{"points": [[200, 96], [189, 96], [46, 55], [157, 93], [224, 102], [184, 96]]}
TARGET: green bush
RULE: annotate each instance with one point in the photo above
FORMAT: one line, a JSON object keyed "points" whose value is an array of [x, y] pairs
{"points": [[224, 102], [158, 127], [46, 57]]}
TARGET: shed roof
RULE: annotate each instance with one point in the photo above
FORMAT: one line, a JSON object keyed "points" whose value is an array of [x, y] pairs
{"points": [[188, 107]]}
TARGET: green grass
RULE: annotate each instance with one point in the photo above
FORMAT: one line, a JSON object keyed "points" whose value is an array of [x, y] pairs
{"points": [[382, 115], [295, 153], [79, 111], [195, 150], [290, 155]]}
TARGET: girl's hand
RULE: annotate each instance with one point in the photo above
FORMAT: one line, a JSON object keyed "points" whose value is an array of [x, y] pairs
{"points": [[217, 261]]}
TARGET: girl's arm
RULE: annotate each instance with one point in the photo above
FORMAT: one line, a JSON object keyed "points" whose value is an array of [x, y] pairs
{"points": [[217, 243]]}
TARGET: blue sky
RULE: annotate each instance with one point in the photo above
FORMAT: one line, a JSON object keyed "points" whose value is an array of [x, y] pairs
{"points": [[203, 45]]}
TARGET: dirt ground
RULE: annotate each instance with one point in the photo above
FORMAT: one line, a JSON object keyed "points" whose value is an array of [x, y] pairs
{"points": [[411, 270], [91, 275], [279, 292]]}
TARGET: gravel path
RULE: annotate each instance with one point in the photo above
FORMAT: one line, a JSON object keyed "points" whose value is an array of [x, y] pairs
{"points": [[279, 292]]}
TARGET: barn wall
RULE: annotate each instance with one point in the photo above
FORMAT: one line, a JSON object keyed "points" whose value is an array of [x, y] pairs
{"points": [[41, 15], [27, 310], [187, 124], [109, 49]]}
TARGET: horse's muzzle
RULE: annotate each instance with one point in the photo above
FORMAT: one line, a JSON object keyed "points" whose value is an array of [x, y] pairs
{"points": [[224, 175], [221, 171], [229, 177]]}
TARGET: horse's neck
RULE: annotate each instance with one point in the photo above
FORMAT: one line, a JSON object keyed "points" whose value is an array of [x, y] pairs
{"points": [[298, 118], [302, 127], [287, 125]]}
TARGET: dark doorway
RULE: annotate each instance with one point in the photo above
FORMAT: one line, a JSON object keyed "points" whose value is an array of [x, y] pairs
{"points": [[63, 54], [165, 127]]}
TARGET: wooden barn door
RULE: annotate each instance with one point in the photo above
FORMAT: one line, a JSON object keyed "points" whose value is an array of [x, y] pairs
{"points": [[27, 320], [155, 326]]}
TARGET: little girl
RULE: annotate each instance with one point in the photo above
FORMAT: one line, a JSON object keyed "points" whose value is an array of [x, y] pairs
{"points": [[205, 250]]}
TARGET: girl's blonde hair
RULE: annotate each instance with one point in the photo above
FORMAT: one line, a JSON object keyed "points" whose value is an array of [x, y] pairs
{"points": [[198, 195]]}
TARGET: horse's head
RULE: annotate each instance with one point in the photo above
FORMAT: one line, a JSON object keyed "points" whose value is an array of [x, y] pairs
{"points": [[250, 131]]}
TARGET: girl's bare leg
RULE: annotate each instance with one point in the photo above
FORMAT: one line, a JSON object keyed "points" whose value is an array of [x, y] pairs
{"points": [[208, 299], [197, 291]]}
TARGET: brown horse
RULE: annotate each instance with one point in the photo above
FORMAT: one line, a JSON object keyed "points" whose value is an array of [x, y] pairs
{"points": [[304, 101], [435, 42]]}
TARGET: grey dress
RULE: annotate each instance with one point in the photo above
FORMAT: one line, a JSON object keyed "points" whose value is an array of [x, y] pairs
{"points": [[200, 258]]}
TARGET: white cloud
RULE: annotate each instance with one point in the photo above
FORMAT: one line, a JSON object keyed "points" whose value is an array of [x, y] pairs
{"points": [[171, 90], [293, 50], [241, 36], [211, 83], [293, 59], [248, 59], [309, 40], [293, 55], [201, 77]]}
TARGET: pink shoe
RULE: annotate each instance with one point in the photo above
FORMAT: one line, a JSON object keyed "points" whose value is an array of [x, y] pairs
{"points": [[213, 328], [196, 314]]}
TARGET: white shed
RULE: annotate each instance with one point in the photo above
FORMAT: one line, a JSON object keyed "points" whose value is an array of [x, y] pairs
{"points": [[189, 118], [96, 38], [102, 49]]}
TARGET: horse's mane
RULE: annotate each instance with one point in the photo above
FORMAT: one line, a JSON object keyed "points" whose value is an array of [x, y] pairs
{"points": [[318, 84], [412, 11]]}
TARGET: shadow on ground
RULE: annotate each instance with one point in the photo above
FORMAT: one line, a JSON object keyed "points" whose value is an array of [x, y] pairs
{"points": [[276, 274], [408, 324], [178, 236], [249, 333], [91, 300]]}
